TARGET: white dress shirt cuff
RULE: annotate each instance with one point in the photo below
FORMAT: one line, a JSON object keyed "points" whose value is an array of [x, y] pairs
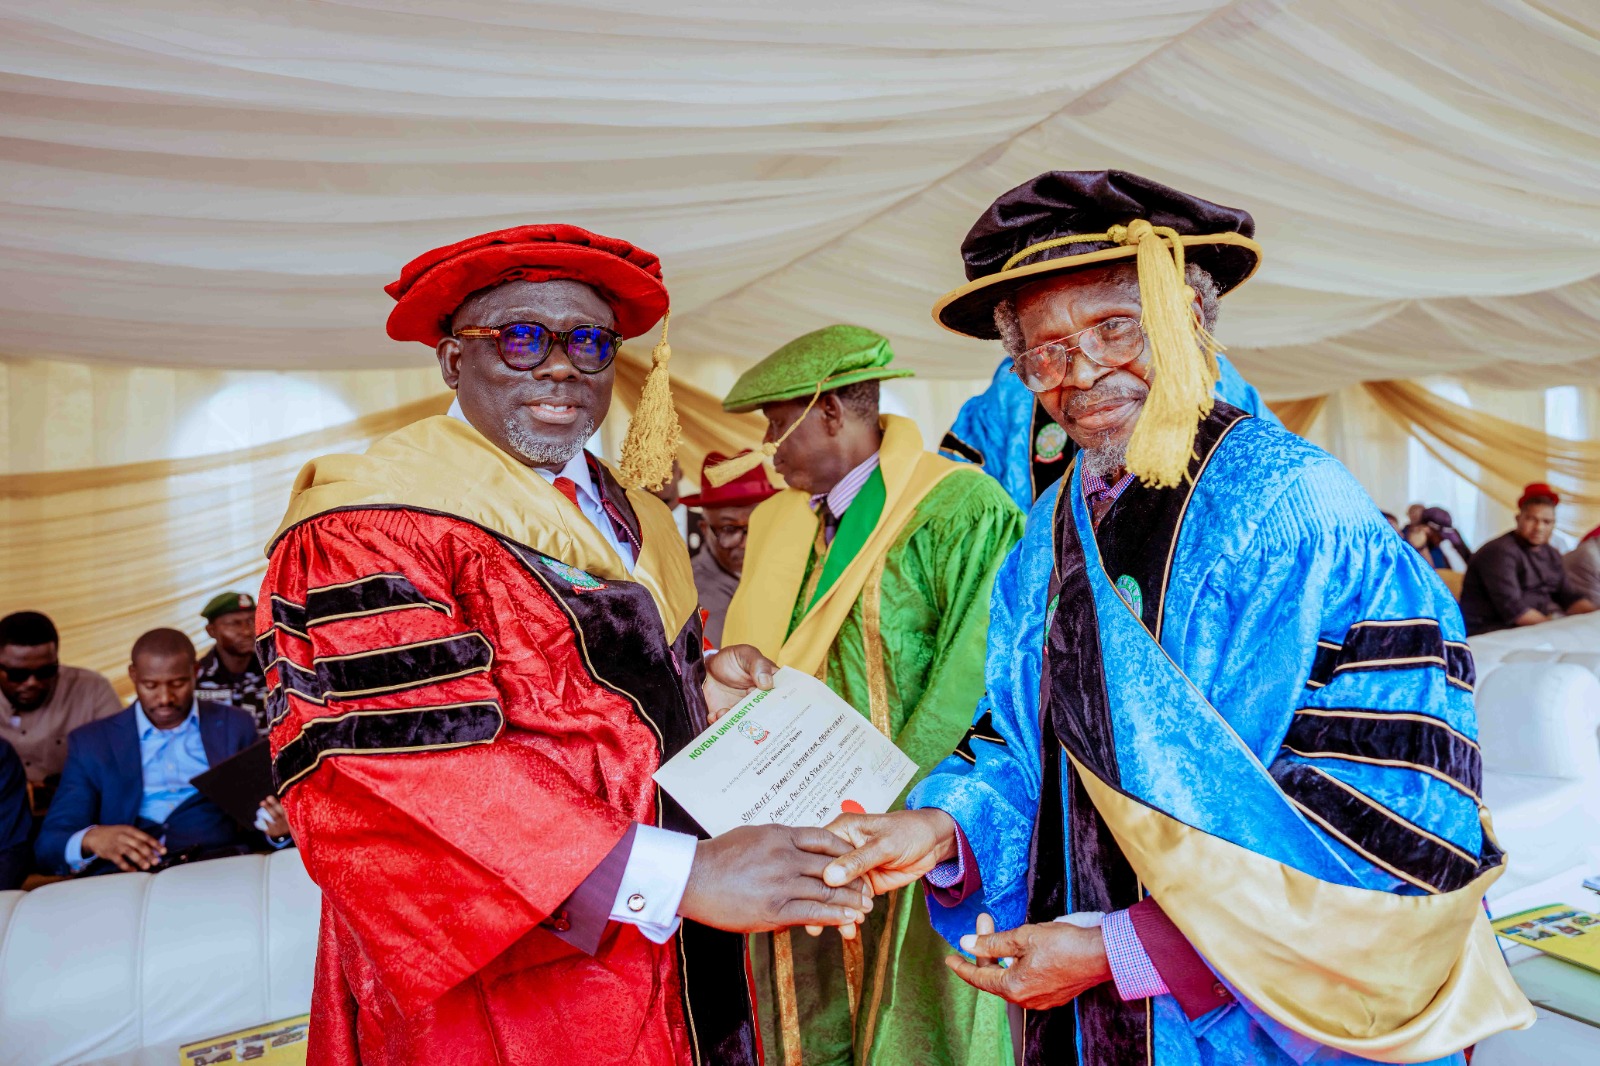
{"points": [[74, 852], [653, 882]]}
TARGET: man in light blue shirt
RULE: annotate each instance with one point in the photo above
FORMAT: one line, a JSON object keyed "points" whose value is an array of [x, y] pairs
{"points": [[135, 813]]}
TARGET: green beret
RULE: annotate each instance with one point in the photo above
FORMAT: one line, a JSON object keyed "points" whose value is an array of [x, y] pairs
{"points": [[227, 603], [833, 357]]}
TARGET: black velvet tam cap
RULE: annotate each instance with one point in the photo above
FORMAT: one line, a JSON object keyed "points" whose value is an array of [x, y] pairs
{"points": [[1064, 203]]}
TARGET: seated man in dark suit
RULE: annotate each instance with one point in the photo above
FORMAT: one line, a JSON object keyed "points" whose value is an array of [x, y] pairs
{"points": [[125, 796], [16, 857]]}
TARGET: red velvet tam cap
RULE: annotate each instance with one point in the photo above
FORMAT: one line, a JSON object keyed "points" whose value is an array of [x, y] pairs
{"points": [[1538, 491], [433, 285]]}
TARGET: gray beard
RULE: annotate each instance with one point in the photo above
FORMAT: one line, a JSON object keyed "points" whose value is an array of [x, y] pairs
{"points": [[542, 452], [1106, 459]]}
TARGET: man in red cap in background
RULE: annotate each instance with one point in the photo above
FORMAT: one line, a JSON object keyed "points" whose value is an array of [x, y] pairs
{"points": [[480, 646], [1518, 578], [725, 512]]}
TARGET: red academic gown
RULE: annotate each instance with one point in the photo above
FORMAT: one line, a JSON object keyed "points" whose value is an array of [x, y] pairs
{"points": [[464, 729]]}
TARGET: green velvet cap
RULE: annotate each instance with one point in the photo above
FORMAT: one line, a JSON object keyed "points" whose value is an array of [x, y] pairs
{"points": [[834, 356]]}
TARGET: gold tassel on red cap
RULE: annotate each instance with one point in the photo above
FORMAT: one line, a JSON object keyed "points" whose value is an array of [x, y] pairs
{"points": [[652, 441]]}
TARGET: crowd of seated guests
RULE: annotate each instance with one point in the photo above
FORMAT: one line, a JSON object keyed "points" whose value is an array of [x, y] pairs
{"points": [[88, 786], [1519, 578]]}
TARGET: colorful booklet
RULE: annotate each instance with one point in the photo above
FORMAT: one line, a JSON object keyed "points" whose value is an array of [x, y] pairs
{"points": [[1557, 929], [281, 1043]]}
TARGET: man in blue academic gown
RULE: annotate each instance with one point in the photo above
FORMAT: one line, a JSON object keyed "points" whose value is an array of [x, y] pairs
{"points": [[1221, 797]]}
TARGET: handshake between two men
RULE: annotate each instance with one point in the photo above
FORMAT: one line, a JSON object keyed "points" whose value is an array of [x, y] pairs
{"points": [[763, 878]]}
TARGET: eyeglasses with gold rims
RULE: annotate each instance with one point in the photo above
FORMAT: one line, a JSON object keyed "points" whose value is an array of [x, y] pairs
{"points": [[1115, 342], [526, 345]]}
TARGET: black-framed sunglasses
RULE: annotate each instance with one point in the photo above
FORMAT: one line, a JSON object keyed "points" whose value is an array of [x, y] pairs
{"points": [[20, 675], [525, 345]]}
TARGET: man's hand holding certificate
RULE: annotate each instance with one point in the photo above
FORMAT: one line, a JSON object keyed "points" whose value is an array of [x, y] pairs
{"points": [[794, 755]]}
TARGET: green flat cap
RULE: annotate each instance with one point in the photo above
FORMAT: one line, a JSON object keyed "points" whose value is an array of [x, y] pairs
{"points": [[227, 603], [834, 356]]}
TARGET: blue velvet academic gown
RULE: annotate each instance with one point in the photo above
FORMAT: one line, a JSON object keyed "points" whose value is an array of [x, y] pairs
{"points": [[1281, 564]]}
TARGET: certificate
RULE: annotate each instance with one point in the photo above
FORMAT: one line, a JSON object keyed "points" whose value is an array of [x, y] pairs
{"points": [[795, 754]]}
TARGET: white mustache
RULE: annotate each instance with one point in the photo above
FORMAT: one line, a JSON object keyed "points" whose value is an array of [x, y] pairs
{"points": [[1080, 402]]}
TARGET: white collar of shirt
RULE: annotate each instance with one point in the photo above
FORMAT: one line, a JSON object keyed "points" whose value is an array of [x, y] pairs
{"points": [[842, 495], [589, 502], [148, 728]]}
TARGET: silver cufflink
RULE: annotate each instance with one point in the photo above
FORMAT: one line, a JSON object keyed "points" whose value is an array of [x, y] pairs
{"points": [[636, 903]]}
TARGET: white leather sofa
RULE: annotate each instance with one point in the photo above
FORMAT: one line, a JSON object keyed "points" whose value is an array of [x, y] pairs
{"points": [[1575, 640], [1539, 728], [1538, 708], [122, 969]]}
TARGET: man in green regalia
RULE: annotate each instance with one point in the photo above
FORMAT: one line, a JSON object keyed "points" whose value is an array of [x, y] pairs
{"points": [[872, 571]]}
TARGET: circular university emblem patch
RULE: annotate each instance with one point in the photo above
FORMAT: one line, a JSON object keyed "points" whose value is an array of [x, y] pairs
{"points": [[1128, 589], [581, 580], [1050, 443]]}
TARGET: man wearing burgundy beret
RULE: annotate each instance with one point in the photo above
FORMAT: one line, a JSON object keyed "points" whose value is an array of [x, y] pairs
{"points": [[480, 643], [725, 513]]}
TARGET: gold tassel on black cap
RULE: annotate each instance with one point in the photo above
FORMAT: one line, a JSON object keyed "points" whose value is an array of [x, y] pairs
{"points": [[652, 441], [1183, 360]]}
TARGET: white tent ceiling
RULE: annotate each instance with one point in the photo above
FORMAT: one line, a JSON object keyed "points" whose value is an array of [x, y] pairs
{"points": [[230, 182]]}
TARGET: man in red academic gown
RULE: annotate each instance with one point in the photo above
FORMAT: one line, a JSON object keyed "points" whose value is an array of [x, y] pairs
{"points": [[479, 647]]}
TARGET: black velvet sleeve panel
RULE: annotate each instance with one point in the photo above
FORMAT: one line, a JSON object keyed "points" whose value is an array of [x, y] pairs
{"points": [[1396, 645], [374, 594], [1411, 741], [387, 732], [1379, 834]]}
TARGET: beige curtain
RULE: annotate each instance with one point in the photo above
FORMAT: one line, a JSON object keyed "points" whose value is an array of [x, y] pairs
{"points": [[111, 551], [1299, 415], [200, 184], [1495, 454]]}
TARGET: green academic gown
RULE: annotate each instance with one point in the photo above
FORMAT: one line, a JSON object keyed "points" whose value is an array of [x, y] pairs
{"points": [[910, 655]]}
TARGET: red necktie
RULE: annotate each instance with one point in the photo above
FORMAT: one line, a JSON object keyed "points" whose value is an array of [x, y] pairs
{"points": [[568, 488]]}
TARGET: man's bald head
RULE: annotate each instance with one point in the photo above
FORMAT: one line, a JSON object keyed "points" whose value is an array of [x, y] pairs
{"points": [[163, 644], [163, 676]]}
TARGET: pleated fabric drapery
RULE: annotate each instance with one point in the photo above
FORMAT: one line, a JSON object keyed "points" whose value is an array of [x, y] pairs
{"points": [[1495, 454], [1298, 415], [229, 182], [111, 551]]}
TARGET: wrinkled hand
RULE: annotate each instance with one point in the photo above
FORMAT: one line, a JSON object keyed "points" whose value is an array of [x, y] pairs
{"points": [[758, 878], [129, 848], [1050, 964], [277, 820], [731, 675], [891, 850]]}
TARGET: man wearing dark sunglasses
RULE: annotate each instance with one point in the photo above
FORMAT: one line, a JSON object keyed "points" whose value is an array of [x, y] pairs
{"points": [[481, 642], [41, 701]]}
